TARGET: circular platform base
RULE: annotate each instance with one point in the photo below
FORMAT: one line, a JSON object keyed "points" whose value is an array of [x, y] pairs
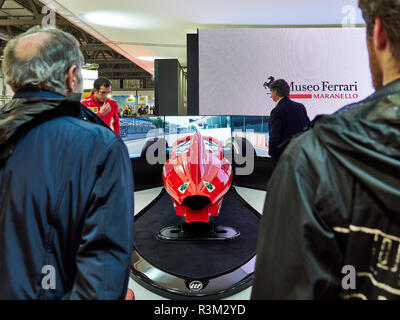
{"points": [[174, 287], [195, 268], [198, 232]]}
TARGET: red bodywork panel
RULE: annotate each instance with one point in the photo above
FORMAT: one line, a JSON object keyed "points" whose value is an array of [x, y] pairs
{"points": [[197, 176]]}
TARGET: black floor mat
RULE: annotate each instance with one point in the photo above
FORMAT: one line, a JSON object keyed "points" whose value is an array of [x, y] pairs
{"points": [[197, 260]]}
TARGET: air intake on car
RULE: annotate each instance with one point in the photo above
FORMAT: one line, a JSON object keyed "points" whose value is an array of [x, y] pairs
{"points": [[196, 203]]}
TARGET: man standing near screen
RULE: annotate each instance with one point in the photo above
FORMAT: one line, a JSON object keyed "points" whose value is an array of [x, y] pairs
{"points": [[330, 227], [287, 119], [100, 103]]}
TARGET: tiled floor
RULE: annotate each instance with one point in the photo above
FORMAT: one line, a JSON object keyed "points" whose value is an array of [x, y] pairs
{"points": [[143, 198]]}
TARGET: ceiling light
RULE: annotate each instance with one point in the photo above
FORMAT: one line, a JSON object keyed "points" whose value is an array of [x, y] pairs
{"points": [[123, 20], [149, 58]]}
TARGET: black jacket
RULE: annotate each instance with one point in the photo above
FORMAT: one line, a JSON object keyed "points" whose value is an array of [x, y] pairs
{"points": [[334, 201], [66, 202], [286, 120]]}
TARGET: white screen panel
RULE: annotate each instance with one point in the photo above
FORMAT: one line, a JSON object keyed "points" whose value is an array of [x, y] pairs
{"points": [[327, 66]]}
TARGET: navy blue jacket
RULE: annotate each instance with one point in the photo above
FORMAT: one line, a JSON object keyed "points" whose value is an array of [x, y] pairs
{"points": [[287, 119], [66, 203]]}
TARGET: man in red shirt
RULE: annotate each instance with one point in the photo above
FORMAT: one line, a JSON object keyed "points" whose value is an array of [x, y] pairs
{"points": [[101, 104]]}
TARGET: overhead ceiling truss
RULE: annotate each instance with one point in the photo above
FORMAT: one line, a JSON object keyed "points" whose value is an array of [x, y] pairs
{"points": [[17, 16]]}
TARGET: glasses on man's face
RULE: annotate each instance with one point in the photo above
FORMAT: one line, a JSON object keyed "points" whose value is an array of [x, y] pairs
{"points": [[103, 93]]}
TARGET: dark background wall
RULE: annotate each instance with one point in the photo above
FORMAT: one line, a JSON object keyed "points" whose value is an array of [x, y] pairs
{"points": [[192, 41], [170, 88]]}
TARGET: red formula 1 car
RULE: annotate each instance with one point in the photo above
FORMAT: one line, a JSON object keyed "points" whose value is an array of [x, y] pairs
{"points": [[197, 176]]}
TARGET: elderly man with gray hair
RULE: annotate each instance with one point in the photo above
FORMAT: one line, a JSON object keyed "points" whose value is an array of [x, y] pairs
{"points": [[66, 187]]}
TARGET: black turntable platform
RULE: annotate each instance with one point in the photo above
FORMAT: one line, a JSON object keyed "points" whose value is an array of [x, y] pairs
{"points": [[197, 268]]}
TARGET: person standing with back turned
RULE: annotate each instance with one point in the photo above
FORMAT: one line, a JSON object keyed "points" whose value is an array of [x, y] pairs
{"points": [[287, 119], [331, 222], [66, 186]]}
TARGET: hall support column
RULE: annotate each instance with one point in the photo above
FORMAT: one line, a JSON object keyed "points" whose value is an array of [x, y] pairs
{"points": [[170, 88]]}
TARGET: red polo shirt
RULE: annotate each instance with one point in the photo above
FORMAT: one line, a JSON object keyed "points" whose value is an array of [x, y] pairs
{"points": [[112, 116]]}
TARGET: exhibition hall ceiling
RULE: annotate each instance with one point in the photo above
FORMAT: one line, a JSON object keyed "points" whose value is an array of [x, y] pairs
{"points": [[17, 16], [143, 30]]}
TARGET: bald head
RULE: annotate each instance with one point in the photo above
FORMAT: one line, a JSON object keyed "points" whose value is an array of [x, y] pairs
{"points": [[48, 59], [29, 46]]}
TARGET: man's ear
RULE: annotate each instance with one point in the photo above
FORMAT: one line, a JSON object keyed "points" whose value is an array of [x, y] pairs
{"points": [[380, 36], [72, 79]]}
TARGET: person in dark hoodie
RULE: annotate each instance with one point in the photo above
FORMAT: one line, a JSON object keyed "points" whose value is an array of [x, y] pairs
{"points": [[66, 188], [331, 222]]}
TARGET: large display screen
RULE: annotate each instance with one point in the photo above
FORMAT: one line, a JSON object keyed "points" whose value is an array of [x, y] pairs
{"points": [[326, 68], [215, 126], [136, 131]]}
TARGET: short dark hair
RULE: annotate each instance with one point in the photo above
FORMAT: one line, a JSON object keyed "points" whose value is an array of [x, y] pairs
{"points": [[389, 12], [101, 82], [281, 86]]}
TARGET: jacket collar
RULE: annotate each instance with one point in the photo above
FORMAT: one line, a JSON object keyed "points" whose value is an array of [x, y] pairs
{"points": [[30, 108], [388, 89], [36, 93], [283, 99], [391, 87]]}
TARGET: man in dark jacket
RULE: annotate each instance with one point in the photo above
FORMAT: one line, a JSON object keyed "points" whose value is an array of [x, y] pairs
{"points": [[66, 189], [287, 119], [331, 222]]}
